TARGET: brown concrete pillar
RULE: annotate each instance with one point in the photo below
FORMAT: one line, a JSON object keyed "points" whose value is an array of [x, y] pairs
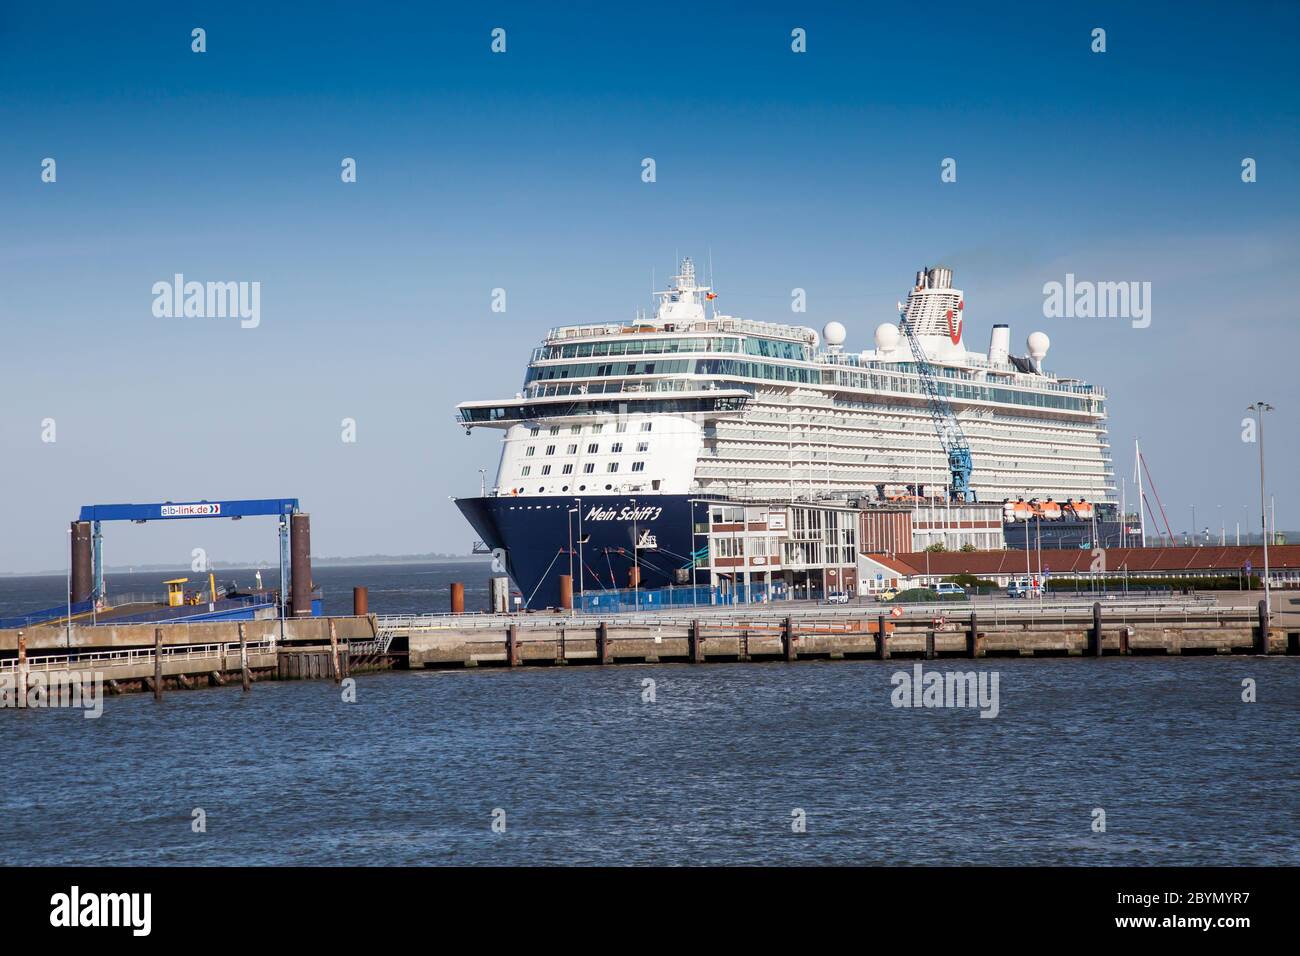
{"points": [[300, 559], [457, 598], [566, 591], [360, 601], [83, 577]]}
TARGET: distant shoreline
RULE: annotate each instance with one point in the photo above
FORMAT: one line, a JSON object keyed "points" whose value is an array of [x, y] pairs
{"points": [[375, 560]]}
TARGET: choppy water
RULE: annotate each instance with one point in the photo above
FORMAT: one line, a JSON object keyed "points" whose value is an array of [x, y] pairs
{"points": [[710, 772]]}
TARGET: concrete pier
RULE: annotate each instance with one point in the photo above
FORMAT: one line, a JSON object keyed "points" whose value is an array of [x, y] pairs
{"points": [[159, 658]]}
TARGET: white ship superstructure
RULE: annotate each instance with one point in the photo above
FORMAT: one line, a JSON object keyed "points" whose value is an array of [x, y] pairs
{"points": [[696, 402]]}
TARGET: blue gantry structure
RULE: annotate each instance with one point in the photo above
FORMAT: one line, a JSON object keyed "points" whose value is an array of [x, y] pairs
{"points": [[87, 571]]}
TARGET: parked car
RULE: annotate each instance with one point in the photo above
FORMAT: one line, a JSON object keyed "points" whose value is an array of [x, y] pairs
{"points": [[947, 589], [888, 594], [1023, 588], [837, 597]]}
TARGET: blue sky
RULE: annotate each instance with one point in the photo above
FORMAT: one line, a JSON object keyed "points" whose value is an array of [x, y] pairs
{"points": [[522, 171]]}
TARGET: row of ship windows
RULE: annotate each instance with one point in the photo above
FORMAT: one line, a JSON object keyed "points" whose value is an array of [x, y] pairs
{"points": [[619, 427], [587, 469], [592, 449], [767, 348], [541, 489]]}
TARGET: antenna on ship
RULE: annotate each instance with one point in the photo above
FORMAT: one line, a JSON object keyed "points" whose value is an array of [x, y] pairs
{"points": [[710, 298]]}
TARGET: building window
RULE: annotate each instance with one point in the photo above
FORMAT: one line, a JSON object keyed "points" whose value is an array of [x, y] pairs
{"points": [[646, 426], [622, 427], [575, 430], [527, 470], [546, 470], [643, 446], [568, 470], [555, 429], [530, 449], [550, 449], [593, 448], [533, 431], [613, 467], [588, 468], [638, 466], [573, 449], [597, 429], [616, 447]]}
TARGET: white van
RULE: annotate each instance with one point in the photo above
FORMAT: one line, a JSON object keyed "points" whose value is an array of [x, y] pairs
{"points": [[947, 589]]}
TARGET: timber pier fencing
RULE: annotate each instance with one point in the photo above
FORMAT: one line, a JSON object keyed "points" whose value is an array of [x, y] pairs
{"points": [[160, 658], [144, 658]]}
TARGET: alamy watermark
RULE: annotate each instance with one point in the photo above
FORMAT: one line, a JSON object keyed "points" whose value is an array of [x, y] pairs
{"points": [[208, 300], [40, 689], [1098, 300], [922, 688]]}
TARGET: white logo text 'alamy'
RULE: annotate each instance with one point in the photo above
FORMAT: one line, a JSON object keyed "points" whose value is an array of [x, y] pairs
{"points": [[208, 300]]}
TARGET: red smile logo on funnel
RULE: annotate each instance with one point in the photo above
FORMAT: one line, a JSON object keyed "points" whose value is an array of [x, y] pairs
{"points": [[954, 323]]}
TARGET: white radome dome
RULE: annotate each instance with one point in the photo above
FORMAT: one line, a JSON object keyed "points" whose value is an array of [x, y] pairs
{"points": [[834, 333], [1038, 344], [887, 336]]}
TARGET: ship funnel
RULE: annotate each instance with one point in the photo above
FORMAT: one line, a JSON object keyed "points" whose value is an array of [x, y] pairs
{"points": [[1000, 344], [940, 277]]}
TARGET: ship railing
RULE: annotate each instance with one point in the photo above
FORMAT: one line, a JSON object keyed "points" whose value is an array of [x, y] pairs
{"points": [[992, 612], [138, 655]]}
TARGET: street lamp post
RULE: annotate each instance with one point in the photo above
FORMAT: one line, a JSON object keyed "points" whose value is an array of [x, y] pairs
{"points": [[572, 511], [68, 621], [1259, 408], [636, 567]]}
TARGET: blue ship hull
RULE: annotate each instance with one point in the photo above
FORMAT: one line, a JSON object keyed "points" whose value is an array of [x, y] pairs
{"points": [[531, 538]]}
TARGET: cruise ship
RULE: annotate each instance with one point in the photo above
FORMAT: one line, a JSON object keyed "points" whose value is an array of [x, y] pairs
{"points": [[625, 435]]}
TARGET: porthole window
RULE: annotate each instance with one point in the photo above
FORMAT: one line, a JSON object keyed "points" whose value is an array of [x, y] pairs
{"points": [[607, 487]]}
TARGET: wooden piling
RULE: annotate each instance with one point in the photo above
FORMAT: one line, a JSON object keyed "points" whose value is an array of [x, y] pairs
{"points": [[974, 642], [788, 650], [602, 643], [882, 644], [695, 643], [457, 598], [246, 677], [335, 668], [21, 688], [929, 645], [157, 664], [742, 645], [1094, 634], [1261, 636], [512, 645]]}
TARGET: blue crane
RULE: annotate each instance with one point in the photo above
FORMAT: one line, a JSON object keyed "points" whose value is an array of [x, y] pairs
{"points": [[951, 437]]}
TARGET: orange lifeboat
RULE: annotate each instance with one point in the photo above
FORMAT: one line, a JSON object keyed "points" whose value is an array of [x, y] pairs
{"points": [[1023, 510], [1082, 509], [1050, 510]]}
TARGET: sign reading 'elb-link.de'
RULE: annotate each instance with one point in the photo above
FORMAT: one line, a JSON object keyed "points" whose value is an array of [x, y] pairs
{"points": [[205, 509]]}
